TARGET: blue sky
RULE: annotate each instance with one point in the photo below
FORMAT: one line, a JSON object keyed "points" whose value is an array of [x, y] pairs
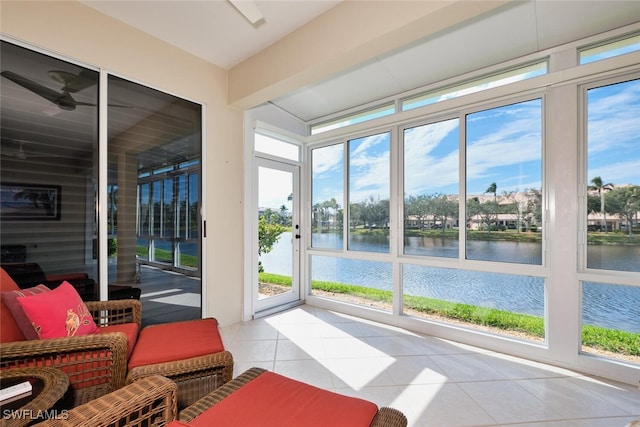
{"points": [[504, 145], [613, 133]]}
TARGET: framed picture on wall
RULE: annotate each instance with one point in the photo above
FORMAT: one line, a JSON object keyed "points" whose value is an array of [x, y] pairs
{"points": [[29, 202]]}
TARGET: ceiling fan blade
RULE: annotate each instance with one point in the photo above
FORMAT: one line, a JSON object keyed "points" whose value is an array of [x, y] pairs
{"points": [[61, 99], [74, 82]]}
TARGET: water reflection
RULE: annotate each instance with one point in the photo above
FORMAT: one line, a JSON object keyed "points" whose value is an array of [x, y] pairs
{"points": [[604, 305]]}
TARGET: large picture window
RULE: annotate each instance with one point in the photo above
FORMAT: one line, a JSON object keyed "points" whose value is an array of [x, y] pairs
{"points": [[610, 310], [369, 186], [327, 166], [613, 187], [504, 184], [431, 158]]}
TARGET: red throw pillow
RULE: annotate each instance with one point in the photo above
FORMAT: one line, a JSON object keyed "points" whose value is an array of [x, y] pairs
{"points": [[10, 299], [58, 313]]}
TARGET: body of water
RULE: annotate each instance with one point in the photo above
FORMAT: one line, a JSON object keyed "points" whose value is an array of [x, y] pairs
{"points": [[611, 306]]}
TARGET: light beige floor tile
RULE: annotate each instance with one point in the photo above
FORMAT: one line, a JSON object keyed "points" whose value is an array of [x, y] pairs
{"points": [[466, 367], [359, 373], [571, 400], [407, 370], [308, 371], [348, 348], [517, 368], [394, 346], [299, 349], [255, 331], [253, 351], [621, 395], [507, 402], [440, 405]]}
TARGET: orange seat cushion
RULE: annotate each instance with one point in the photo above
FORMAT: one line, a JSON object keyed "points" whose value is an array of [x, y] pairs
{"points": [[169, 342], [129, 329], [272, 400], [9, 329]]}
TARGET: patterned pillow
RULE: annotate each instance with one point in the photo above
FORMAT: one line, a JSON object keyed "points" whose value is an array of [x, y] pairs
{"points": [[58, 313], [23, 322]]}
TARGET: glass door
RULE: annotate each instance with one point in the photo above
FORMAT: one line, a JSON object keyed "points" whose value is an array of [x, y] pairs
{"points": [[278, 235]]}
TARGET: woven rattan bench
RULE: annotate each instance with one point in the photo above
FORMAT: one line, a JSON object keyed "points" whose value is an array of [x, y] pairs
{"points": [[260, 407], [151, 401]]}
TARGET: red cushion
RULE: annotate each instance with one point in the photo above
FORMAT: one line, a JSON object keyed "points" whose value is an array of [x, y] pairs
{"points": [[272, 400], [129, 329], [59, 313], [176, 423], [176, 341], [9, 329], [10, 299]]}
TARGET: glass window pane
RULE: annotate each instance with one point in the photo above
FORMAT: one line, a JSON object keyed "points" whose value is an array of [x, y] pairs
{"points": [[611, 320], [609, 50], [504, 184], [431, 189], [502, 303], [351, 280], [353, 119], [613, 187], [49, 148], [327, 193], [484, 83], [369, 175], [154, 144], [276, 147]]}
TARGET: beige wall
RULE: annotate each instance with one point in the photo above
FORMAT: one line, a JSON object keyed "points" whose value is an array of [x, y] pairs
{"points": [[79, 33]]}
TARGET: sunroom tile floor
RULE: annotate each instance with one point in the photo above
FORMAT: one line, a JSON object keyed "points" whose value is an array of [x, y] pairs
{"points": [[433, 381]]}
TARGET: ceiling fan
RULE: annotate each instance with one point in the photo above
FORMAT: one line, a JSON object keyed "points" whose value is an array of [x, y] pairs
{"points": [[71, 83], [16, 153]]}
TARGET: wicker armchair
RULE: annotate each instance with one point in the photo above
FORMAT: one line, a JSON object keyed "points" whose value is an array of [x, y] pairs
{"points": [[150, 401], [96, 364]]}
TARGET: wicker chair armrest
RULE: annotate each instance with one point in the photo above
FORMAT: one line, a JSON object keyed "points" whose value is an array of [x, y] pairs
{"points": [[81, 357], [116, 312], [222, 360], [389, 417], [217, 395], [150, 401]]}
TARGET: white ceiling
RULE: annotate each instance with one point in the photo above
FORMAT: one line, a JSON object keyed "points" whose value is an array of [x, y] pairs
{"points": [[214, 29], [217, 32]]}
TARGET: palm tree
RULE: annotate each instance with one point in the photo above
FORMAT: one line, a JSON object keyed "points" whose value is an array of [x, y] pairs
{"points": [[601, 188], [493, 188]]}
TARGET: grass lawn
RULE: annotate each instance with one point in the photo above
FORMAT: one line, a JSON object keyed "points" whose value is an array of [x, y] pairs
{"points": [[607, 340]]}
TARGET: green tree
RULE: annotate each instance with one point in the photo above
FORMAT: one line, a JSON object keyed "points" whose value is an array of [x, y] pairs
{"points": [[268, 235], [442, 209], [598, 185], [493, 189], [625, 202]]}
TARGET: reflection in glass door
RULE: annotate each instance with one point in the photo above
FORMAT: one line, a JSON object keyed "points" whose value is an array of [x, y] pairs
{"points": [[278, 235]]}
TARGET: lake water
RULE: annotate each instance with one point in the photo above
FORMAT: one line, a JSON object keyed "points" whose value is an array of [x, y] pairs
{"points": [[610, 306]]}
